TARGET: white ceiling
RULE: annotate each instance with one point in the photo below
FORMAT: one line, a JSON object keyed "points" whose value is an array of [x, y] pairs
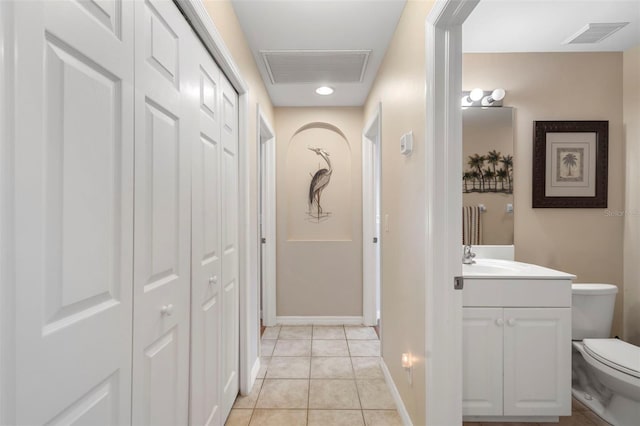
{"points": [[319, 25], [543, 25], [494, 26]]}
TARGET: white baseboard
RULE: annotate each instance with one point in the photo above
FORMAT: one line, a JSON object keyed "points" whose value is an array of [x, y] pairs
{"points": [[254, 371], [402, 410], [305, 320]]}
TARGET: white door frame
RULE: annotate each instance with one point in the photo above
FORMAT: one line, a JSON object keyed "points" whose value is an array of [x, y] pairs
{"points": [[371, 262], [7, 239], [444, 210], [204, 27], [266, 149]]}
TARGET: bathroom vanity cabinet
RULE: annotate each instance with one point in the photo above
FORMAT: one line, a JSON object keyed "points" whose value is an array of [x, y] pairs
{"points": [[516, 347]]}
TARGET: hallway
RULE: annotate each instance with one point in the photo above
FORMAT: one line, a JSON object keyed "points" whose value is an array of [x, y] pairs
{"points": [[318, 375]]}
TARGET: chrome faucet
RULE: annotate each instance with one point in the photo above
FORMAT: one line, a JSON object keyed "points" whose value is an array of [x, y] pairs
{"points": [[467, 257]]}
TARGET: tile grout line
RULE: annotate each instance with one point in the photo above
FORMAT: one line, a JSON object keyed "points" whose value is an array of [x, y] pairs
{"points": [[354, 379]]}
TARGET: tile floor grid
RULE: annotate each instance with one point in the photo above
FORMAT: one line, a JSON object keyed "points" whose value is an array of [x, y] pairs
{"points": [[333, 396]]}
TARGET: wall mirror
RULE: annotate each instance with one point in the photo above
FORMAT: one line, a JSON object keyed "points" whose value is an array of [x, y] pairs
{"points": [[487, 165]]}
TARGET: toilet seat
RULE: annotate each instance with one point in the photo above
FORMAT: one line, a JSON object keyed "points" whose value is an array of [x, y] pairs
{"points": [[621, 356]]}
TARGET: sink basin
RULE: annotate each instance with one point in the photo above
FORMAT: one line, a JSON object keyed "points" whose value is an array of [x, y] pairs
{"points": [[509, 269]]}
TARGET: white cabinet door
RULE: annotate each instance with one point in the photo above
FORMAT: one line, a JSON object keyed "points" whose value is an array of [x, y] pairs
{"points": [[206, 315], [482, 332], [537, 362], [164, 131], [230, 295], [73, 213]]}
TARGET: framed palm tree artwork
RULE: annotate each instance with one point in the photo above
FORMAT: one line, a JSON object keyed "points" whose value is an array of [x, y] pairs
{"points": [[570, 164]]}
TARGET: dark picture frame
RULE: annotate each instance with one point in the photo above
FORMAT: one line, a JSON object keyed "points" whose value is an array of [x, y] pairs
{"points": [[570, 164]]}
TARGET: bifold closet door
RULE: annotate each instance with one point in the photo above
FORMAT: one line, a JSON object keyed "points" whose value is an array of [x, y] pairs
{"points": [[73, 164], [165, 126], [215, 299], [230, 266], [206, 310]]}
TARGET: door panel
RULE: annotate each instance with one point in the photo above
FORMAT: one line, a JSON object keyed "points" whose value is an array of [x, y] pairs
{"points": [[482, 333], [73, 212], [206, 315], [537, 370], [230, 293], [162, 381], [162, 215]]}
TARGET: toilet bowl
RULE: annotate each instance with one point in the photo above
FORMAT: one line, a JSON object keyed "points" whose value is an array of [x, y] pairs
{"points": [[606, 372]]}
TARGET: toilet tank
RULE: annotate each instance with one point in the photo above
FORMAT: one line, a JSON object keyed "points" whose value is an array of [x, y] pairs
{"points": [[592, 310]]}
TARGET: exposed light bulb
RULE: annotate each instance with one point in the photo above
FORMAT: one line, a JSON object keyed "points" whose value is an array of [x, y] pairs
{"points": [[466, 101], [476, 94], [324, 90], [498, 94], [495, 96]]}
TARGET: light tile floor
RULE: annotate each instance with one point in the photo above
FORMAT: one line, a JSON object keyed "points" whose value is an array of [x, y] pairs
{"points": [[318, 376]]}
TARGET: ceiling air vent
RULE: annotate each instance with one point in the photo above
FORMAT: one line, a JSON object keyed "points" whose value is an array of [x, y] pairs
{"points": [[594, 33], [315, 66]]}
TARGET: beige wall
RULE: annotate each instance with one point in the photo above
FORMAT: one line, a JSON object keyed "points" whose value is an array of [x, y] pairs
{"points": [[631, 97], [319, 263], [562, 86], [226, 22], [400, 87]]}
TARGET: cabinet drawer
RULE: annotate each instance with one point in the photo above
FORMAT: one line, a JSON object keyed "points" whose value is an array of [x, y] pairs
{"points": [[516, 293]]}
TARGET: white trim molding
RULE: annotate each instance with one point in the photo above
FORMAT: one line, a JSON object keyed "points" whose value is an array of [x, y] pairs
{"points": [[7, 237], [197, 15], [444, 210], [304, 320], [402, 410]]}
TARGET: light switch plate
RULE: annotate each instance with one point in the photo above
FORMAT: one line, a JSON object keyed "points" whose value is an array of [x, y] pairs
{"points": [[406, 143]]}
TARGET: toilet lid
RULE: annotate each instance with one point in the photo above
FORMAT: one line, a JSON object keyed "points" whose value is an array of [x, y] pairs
{"points": [[615, 353]]}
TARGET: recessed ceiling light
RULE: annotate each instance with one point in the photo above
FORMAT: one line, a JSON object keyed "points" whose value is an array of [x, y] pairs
{"points": [[324, 90]]}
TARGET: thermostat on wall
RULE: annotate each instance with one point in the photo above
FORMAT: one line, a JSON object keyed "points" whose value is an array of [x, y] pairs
{"points": [[406, 143]]}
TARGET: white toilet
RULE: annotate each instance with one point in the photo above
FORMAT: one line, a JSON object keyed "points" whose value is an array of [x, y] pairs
{"points": [[606, 372]]}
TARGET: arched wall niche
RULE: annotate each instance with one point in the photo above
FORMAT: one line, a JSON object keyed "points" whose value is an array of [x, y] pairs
{"points": [[334, 222]]}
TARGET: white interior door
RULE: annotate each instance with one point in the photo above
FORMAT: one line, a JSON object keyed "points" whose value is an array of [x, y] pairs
{"points": [[371, 175], [165, 128], [206, 315], [230, 297], [377, 178], [73, 212], [267, 219]]}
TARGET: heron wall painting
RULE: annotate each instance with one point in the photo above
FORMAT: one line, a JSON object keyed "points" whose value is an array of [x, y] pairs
{"points": [[319, 182]]}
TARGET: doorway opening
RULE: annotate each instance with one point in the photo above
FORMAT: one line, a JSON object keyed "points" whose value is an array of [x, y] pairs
{"points": [[371, 243], [266, 220]]}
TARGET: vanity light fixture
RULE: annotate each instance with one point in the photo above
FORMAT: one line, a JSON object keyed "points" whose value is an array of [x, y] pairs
{"points": [[324, 90], [480, 98]]}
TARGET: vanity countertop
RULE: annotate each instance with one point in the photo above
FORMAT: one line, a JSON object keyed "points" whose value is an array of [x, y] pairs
{"points": [[509, 269]]}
